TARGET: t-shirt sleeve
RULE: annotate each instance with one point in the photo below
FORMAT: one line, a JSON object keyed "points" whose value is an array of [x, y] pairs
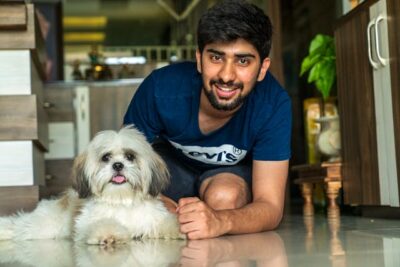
{"points": [[274, 136], [142, 111]]}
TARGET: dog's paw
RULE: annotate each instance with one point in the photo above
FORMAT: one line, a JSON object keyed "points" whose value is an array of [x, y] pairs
{"points": [[169, 229], [107, 234], [110, 240]]}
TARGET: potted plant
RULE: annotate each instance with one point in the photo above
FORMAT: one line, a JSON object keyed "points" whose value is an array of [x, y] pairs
{"points": [[320, 63]]}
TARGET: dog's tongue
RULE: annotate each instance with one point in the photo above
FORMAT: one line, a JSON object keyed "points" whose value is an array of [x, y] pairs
{"points": [[119, 179]]}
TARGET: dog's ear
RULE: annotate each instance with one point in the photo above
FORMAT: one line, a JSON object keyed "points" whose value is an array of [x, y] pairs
{"points": [[159, 176], [79, 180]]}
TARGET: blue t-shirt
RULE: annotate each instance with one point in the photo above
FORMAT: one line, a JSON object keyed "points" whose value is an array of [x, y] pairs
{"points": [[166, 105]]}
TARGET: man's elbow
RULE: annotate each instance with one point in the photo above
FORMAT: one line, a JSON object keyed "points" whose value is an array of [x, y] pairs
{"points": [[274, 218]]}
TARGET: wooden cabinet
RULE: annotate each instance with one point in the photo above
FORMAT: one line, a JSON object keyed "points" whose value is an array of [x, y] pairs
{"points": [[369, 102], [23, 118]]}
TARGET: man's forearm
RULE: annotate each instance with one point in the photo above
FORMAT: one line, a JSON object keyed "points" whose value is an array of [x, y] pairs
{"points": [[252, 218]]}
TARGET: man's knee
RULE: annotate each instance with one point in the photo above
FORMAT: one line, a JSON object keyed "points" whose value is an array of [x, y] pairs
{"points": [[221, 192]]}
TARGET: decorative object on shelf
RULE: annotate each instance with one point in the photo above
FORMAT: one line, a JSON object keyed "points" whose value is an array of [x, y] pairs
{"points": [[312, 127], [320, 64], [311, 109], [328, 141]]}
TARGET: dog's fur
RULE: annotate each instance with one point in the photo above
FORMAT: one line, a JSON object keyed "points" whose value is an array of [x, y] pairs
{"points": [[114, 198]]}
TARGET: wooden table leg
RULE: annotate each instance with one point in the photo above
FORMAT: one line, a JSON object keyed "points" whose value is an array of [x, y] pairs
{"points": [[332, 192], [307, 193]]}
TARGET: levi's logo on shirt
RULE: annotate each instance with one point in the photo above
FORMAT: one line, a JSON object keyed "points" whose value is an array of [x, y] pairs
{"points": [[220, 155]]}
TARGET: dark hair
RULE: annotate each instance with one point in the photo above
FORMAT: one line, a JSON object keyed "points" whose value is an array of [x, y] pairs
{"points": [[230, 20]]}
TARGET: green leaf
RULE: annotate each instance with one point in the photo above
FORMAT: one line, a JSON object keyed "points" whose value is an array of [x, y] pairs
{"points": [[314, 73], [316, 43], [327, 75], [320, 63], [308, 62]]}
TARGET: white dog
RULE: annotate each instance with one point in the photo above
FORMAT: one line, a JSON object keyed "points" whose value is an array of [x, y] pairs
{"points": [[114, 198]]}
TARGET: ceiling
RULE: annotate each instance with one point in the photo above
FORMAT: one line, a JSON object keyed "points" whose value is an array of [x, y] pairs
{"points": [[115, 9], [123, 22]]}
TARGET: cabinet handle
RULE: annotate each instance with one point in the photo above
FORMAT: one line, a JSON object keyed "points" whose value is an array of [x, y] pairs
{"points": [[49, 177], [382, 60], [374, 64], [48, 105]]}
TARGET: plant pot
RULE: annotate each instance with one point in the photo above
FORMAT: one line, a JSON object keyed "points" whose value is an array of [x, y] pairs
{"points": [[328, 140]]}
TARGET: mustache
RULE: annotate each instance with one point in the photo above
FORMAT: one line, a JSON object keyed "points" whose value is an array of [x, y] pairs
{"points": [[232, 84]]}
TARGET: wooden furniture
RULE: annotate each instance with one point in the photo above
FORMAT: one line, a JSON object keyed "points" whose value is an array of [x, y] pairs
{"points": [[368, 86], [327, 173], [23, 119]]}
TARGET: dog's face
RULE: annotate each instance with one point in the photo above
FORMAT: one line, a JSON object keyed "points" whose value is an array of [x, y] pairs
{"points": [[119, 166]]}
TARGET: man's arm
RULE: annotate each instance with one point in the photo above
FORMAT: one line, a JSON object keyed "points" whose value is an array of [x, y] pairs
{"points": [[264, 213]]}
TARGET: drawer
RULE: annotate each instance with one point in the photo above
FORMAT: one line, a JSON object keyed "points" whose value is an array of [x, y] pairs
{"points": [[22, 164], [58, 176], [62, 143], [60, 100], [23, 118]]}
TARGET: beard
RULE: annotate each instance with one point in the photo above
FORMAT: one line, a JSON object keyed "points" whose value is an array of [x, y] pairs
{"points": [[213, 99]]}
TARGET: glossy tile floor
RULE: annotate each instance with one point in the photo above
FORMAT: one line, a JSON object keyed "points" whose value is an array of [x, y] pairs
{"points": [[299, 241]]}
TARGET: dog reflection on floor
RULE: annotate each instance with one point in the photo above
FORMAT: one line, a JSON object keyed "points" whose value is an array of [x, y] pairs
{"points": [[65, 253], [262, 249]]}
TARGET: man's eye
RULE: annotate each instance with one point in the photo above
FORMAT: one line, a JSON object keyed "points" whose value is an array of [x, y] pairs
{"points": [[243, 61], [106, 157], [216, 57]]}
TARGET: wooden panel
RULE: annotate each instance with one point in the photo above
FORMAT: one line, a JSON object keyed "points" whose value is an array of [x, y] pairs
{"points": [[13, 199], [274, 12], [23, 119], [108, 105], [22, 164], [58, 176], [13, 16], [356, 108], [19, 74], [61, 103], [31, 38], [38, 166], [393, 9]]}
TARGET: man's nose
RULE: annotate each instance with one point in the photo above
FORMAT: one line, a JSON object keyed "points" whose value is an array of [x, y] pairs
{"points": [[227, 72]]}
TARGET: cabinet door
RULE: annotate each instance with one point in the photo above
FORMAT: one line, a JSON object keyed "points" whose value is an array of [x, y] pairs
{"points": [[356, 109], [389, 194], [393, 10]]}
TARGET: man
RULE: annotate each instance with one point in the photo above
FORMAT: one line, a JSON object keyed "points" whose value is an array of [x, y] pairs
{"points": [[222, 125]]}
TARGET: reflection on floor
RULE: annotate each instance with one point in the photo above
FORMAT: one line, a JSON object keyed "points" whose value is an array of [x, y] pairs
{"points": [[299, 241]]}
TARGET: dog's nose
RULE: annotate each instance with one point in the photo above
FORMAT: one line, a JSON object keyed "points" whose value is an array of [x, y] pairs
{"points": [[118, 166]]}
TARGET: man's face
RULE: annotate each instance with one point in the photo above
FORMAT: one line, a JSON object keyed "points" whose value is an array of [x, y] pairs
{"points": [[230, 71]]}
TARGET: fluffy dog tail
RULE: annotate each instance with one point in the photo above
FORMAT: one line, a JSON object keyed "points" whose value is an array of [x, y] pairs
{"points": [[52, 219]]}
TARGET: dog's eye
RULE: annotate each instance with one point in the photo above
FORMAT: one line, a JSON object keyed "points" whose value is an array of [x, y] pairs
{"points": [[130, 156], [106, 157]]}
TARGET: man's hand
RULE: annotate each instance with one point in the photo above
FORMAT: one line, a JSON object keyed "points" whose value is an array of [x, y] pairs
{"points": [[208, 252], [198, 220]]}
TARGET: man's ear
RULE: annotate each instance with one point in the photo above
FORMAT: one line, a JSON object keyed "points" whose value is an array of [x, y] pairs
{"points": [[198, 60], [264, 68]]}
